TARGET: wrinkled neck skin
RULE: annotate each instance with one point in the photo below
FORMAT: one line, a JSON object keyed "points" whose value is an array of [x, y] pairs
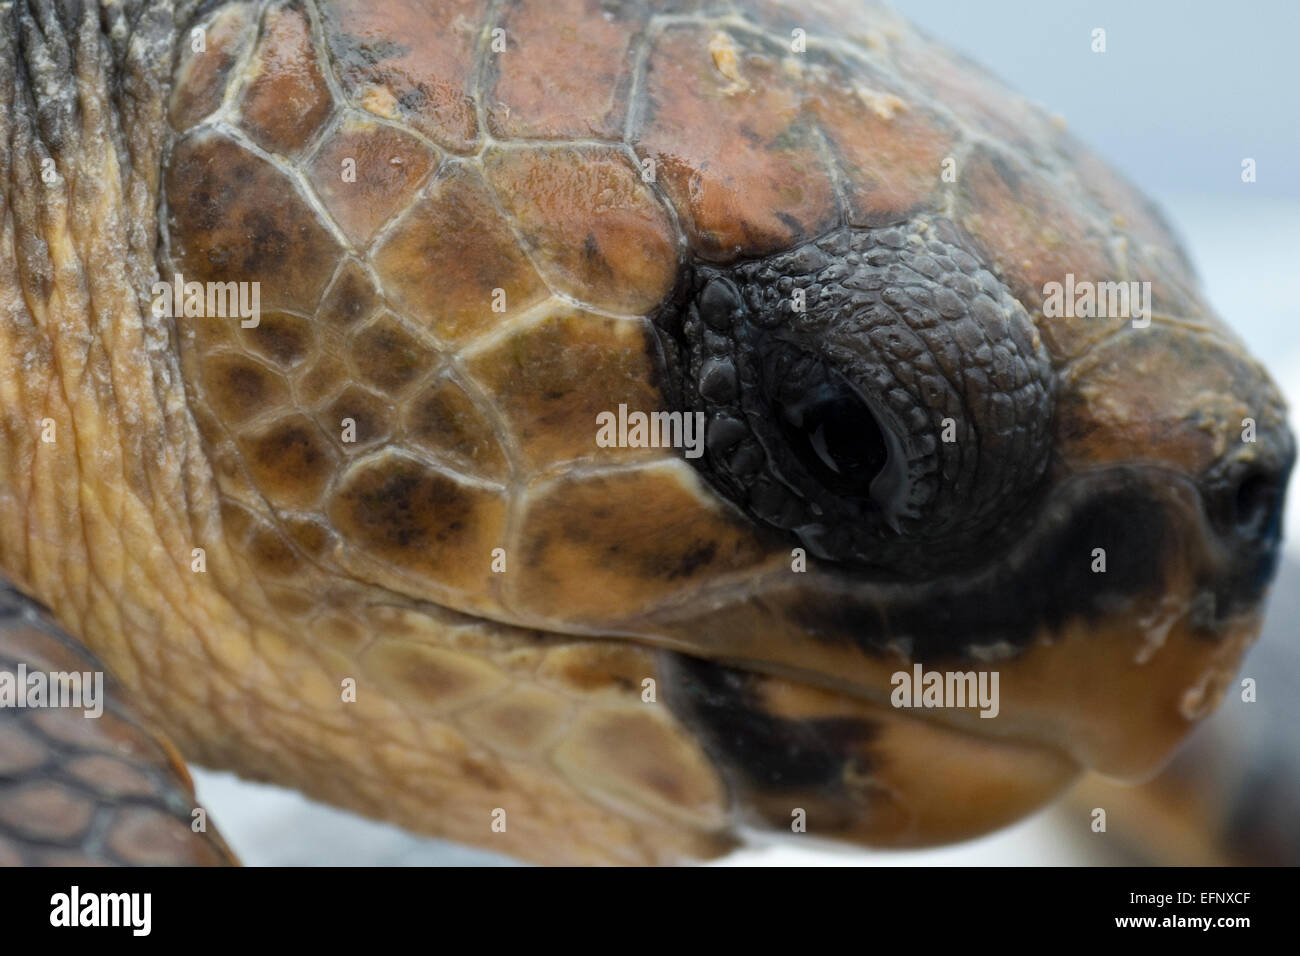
{"points": [[98, 464], [102, 490]]}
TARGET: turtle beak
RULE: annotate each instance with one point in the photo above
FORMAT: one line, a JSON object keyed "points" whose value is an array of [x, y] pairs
{"points": [[1202, 410], [1115, 625]]}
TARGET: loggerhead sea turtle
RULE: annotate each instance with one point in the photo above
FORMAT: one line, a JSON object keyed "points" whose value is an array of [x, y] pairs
{"points": [[347, 523]]}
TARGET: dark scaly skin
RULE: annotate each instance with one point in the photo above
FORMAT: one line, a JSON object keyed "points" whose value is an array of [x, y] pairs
{"points": [[950, 500], [88, 791], [330, 561]]}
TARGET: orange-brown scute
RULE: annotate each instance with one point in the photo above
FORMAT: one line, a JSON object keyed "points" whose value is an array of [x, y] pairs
{"points": [[551, 379], [370, 414], [240, 388], [286, 100], [410, 61], [281, 338], [731, 143], [445, 420], [414, 520], [888, 145], [366, 172], [388, 357], [644, 536], [239, 218], [1165, 398], [290, 459], [352, 297], [203, 75], [594, 228], [453, 256], [591, 43]]}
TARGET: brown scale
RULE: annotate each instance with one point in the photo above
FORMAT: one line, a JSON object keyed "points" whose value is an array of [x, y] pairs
{"points": [[88, 792]]}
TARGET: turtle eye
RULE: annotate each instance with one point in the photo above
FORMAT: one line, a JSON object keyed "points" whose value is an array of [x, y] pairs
{"points": [[835, 436], [895, 415]]}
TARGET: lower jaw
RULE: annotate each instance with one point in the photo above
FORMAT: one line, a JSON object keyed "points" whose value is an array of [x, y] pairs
{"points": [[937, 786], [850, 770]]}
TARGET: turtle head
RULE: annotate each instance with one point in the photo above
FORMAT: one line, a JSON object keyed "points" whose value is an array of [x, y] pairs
{"points": [[942, 532]]}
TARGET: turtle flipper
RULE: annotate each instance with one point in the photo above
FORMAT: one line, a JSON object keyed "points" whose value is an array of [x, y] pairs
{"points": [[90, 783]]}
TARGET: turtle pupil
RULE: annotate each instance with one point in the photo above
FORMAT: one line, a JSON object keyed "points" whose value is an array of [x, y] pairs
{"points": [[836, 437]]}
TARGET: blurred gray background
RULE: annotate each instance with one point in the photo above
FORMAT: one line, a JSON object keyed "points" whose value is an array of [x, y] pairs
{"points": [[1184, 92]]}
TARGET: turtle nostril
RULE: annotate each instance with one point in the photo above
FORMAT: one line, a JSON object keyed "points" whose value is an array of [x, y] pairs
{"points": [[1256, 506]]}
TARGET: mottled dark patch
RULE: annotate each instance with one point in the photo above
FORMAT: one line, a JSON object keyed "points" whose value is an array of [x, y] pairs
{"points": [[352, 50], [401, 506], [235, 217], [269, 238], [238, 388], [292, 447], [412, 101], [755, 749], [444, 420], [1006, 172], [284, 339], [369, 412], [791, 223], [420, 53], [699, 555], [389, 357], [291, 461]]}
